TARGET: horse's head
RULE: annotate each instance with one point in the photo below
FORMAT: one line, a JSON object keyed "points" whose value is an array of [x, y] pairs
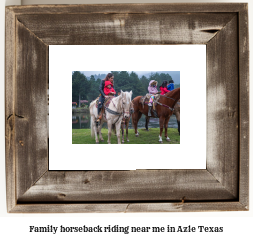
{"points": [[126, 102]]}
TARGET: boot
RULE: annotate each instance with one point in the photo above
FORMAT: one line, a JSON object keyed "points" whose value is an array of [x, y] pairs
{"points": [[154, 111], [100, 115], [149, 111]]}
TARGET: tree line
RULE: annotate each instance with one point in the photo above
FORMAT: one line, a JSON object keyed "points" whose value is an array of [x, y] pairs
{"points": [[86, 88]]}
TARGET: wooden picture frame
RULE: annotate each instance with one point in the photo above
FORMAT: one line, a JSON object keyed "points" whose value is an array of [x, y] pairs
{"points": [[222, 186]]}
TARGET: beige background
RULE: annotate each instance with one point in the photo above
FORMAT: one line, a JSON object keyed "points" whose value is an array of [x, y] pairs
{"points": [[2, 146]]}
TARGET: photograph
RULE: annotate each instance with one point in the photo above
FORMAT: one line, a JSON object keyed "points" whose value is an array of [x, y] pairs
{"points": [[131, 107]]}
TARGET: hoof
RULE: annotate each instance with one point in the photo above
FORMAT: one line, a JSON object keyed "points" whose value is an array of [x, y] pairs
{"points": [[147, 129], [128, 140], [122, 142], [137, 135], [97, 142], [160, 142], [168, 139], [102, 140]]}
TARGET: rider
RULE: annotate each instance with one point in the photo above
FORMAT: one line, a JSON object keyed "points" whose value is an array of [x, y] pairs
{"points": [[171, 85], [163, 87], [152, 89], [109, 77], [108, 89]]}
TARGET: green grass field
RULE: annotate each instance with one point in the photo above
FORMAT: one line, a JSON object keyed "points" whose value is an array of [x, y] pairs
{"points": [[83, 136]]}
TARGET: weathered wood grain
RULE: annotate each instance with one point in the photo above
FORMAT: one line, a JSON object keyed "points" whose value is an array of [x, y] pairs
{"points": [[186, 207], [132, 29], [222, 107], [30, 108], [129, 207], [223, 186], [153, 8], [140, 185], [10, 64], [244, 106]]}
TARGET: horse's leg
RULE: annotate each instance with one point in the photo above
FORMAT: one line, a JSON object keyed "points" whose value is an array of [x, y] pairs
{"points": [[100, 128], [178, 121], [147, 121], [93, 126], [166, 127], [161, 122], [109, 131], [114, 129], [117, 125], [138, 118], [127, 124], [135, 119], [122, 131], [96, 132]]}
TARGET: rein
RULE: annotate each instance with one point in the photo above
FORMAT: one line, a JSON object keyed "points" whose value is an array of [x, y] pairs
{"points": [[172, 109], [168, 97]]}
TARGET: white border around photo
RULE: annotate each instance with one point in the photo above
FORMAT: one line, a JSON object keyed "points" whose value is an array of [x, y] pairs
{"points": [[190, 60]]}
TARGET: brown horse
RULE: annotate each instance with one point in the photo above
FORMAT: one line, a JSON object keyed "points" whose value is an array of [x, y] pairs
{"points": [[164, 111], [176, 112]]}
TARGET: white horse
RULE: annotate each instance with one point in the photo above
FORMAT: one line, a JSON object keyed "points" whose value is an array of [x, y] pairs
{"points": [[117, 109]]}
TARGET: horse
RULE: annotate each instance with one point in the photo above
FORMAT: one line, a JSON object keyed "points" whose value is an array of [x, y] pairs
{"points": [[117, 109], [176, 112], [164, 110], [125, 124]]}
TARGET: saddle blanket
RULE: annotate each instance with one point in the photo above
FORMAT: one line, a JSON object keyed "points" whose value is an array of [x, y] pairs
{"points": [[145, 99], [106, 103]]}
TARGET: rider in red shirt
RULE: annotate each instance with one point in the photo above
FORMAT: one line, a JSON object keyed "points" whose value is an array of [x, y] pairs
{"points": [[163, 88], [108, 89]]}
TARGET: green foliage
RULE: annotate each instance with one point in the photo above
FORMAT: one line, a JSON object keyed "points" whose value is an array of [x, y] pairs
{"points": [[80, 86], [160, 78], [93, 90], [145, 82]]}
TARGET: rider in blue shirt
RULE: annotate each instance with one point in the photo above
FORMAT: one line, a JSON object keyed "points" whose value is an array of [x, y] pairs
{"points": [[171, 85]]}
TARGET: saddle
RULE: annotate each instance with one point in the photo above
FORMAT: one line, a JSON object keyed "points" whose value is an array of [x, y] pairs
{"points": [[106, 103], [145, 99]]}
